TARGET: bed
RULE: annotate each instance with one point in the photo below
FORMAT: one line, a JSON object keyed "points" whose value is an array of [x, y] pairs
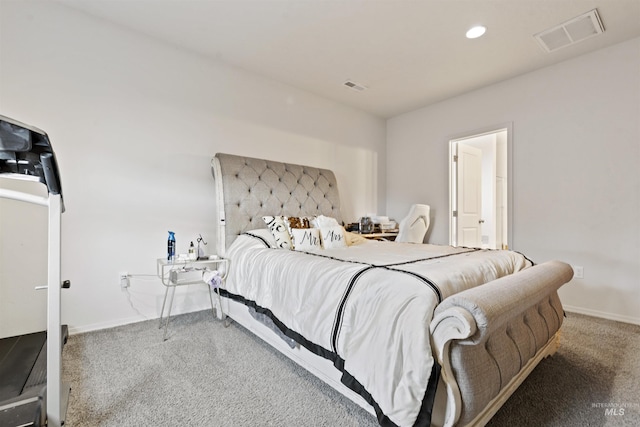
{"points": [[416, 334]]}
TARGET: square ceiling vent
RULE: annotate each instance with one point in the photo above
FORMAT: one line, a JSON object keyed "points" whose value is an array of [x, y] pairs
{"points": [[571, 32]]}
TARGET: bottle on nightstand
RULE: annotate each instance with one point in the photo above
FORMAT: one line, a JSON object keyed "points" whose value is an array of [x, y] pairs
{"points": [[171, 247], [192, 252]]}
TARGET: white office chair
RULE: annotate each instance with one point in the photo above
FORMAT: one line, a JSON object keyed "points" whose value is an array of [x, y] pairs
{"points": [[414, 226]]}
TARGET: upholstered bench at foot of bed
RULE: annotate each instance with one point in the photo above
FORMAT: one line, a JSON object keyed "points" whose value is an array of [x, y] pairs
{"points": [[489, 338]]}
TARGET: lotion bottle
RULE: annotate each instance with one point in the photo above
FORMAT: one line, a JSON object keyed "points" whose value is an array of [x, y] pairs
{"points": [[171, 247]]}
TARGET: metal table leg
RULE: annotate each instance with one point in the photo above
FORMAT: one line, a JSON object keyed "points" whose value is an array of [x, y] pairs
{"points": [[166, 323], [164, 302]]}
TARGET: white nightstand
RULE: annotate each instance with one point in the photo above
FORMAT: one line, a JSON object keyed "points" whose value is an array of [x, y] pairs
{"points": [[187, 272]]}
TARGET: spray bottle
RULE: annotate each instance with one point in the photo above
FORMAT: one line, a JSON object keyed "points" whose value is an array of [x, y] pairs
{"points": [[171, 247]]}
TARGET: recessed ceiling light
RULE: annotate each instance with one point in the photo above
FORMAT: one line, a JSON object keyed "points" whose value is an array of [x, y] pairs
{"points": [[476, 32]]}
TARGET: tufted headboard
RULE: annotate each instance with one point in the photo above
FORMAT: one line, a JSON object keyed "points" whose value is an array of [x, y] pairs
{"points": [[248, 189]]}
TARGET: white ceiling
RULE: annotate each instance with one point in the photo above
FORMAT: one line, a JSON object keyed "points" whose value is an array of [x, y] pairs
{"points": [[407, 53]]}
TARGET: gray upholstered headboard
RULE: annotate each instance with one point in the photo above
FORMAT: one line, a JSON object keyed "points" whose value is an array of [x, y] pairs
{"points": [[248, 189]]}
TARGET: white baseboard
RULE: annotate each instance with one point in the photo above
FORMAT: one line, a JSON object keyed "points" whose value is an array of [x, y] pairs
{"points": [[179, 307], [602, 314], [105, 325]]}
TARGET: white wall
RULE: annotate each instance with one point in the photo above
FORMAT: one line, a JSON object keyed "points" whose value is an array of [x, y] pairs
{"points": [[576, 142], [134, 124]]}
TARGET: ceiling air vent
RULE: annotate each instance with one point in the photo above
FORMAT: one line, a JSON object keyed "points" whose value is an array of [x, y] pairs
{"points": [[570, 32], [355, 86]]}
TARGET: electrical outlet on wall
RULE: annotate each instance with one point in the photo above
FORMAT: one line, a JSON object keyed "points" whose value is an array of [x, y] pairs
{"points": [[124, 280], [578, 272]]}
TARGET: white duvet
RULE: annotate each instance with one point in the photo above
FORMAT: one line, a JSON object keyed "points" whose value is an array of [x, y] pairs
{"points": [[367, 307]]}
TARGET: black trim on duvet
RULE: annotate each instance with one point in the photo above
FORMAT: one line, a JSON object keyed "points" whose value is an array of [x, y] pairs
{"points": [[337, 322], [262, 239], [426, 409], [424, 416], [426, 280]]}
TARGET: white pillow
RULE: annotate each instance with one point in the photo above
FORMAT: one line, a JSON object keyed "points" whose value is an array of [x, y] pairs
{"points": [[322, 221], [306, 239], [264, 234], [278, 228], [333, 237]]}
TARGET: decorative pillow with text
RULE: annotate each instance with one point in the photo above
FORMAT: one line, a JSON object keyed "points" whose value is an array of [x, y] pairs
{"points": [[278, 228], [333, 237], [306, 239]]}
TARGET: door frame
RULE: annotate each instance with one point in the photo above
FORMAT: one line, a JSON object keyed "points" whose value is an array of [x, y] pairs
{"points": [[451, 141]]}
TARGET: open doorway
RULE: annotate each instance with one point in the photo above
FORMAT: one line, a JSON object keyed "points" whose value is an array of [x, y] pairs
{"points": [[480, 189]]}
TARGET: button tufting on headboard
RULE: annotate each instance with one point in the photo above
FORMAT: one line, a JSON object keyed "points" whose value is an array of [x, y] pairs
{"points": [[248, 189]]}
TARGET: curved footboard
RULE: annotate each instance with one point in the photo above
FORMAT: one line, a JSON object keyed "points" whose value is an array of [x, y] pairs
{"points": [[488, 339]]}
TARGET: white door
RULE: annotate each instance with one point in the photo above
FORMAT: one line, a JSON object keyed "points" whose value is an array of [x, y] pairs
{"points": [[469, 203]]}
